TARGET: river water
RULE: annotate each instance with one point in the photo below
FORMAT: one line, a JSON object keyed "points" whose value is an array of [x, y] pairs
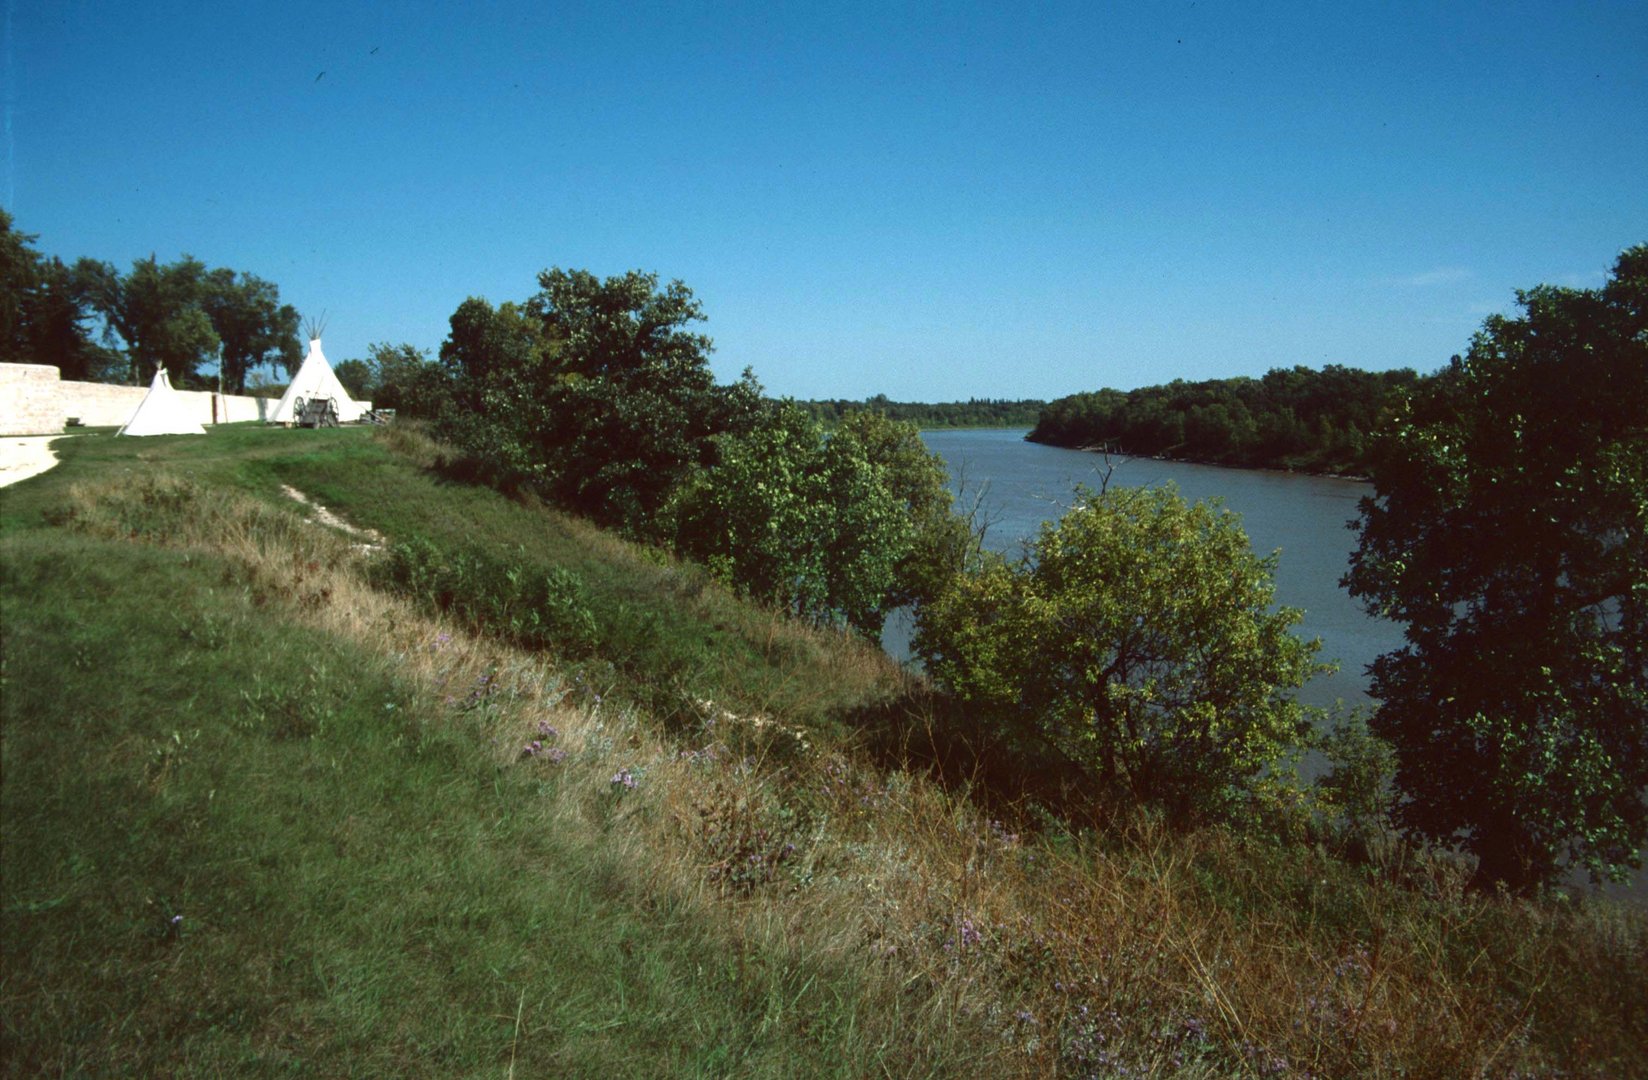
{"points": [[1018, 485]]}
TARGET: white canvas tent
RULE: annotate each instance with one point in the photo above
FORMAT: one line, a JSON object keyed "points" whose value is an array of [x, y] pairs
{"points": [[162, 411], [316, 379]]}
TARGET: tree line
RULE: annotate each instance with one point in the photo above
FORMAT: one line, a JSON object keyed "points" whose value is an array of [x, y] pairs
{"points": [[972, 413], [1292, 418], [182, 315]]}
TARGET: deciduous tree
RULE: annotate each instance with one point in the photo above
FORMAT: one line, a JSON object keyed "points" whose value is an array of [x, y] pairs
{"points": [[809, 522], [252, 325], [156, 310], [1508, 531], [400, 374], [1138, 637], [940, 539], [356, 377], [596, 393], [44, 308]]}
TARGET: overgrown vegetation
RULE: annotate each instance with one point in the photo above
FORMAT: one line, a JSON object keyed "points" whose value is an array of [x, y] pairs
{"points": [[262, 816], [597, 395], [1293, 418], [837, 530]]}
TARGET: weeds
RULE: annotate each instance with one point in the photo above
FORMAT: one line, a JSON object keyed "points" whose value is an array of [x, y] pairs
{"points": [[533, 609]]}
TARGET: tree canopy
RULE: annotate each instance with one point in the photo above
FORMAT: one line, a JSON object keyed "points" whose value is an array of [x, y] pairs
{"points": [[1291, 418], [975, 412], [403, 377], [594, 392], [45, 308], [253, 327], [598, 395], [1137, 636], [156, 310], [180, 315], [823, 525], [1508, 531]]}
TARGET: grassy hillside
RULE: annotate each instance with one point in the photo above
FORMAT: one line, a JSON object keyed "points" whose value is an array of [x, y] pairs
{"points": [[271, 806]]}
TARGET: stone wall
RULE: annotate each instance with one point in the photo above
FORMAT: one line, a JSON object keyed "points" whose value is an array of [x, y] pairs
{"points": [[35, 401], [100, 404], [30, 400]]}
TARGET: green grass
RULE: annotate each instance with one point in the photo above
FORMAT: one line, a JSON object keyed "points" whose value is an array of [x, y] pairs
{"points": [[210, 708], [662, 629], [363, 888]]}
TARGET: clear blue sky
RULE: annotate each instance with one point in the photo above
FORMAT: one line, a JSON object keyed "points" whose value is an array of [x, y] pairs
{"points": [[928, 202]]}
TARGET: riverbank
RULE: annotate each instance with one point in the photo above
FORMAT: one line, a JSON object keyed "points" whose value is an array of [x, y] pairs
{"points": [[367, 832], [1283, 469]]}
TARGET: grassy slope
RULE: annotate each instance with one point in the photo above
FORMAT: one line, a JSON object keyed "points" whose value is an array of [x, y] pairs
{"points": [[364, 888], [222, 721]]}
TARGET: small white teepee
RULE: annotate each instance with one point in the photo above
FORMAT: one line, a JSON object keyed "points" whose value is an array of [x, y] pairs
{"points": [[162, 412], [316, 379]]}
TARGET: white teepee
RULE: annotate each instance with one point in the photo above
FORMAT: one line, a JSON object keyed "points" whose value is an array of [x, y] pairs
{"points": [[316, 379], [162, 412]]}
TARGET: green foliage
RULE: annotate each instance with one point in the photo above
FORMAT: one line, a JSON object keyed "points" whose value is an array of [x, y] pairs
{"points": [[356, 378], [594, 393], [1357, 792], [1509, 532], [403, 378], [369, 887], [156, 309], [254, 328], [176, 315], [1291, 418], [543, 610], [1137, 637], [317, 869], [941, 540], [44, 306], [795, 519]]}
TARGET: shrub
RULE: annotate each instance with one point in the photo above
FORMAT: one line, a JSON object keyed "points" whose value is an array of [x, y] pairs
{"points": [[1137, 638], [536, 609]]}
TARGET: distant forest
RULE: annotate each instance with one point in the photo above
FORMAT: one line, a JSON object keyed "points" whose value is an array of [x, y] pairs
{"points": [[977, 412], [1293, 418]]}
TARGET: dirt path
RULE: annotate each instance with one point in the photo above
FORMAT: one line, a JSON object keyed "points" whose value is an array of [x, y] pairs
{"points": [[370, 539], [23, 456]]}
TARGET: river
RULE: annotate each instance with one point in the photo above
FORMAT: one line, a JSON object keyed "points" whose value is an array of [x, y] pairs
{"points": [[1020, 484]]}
